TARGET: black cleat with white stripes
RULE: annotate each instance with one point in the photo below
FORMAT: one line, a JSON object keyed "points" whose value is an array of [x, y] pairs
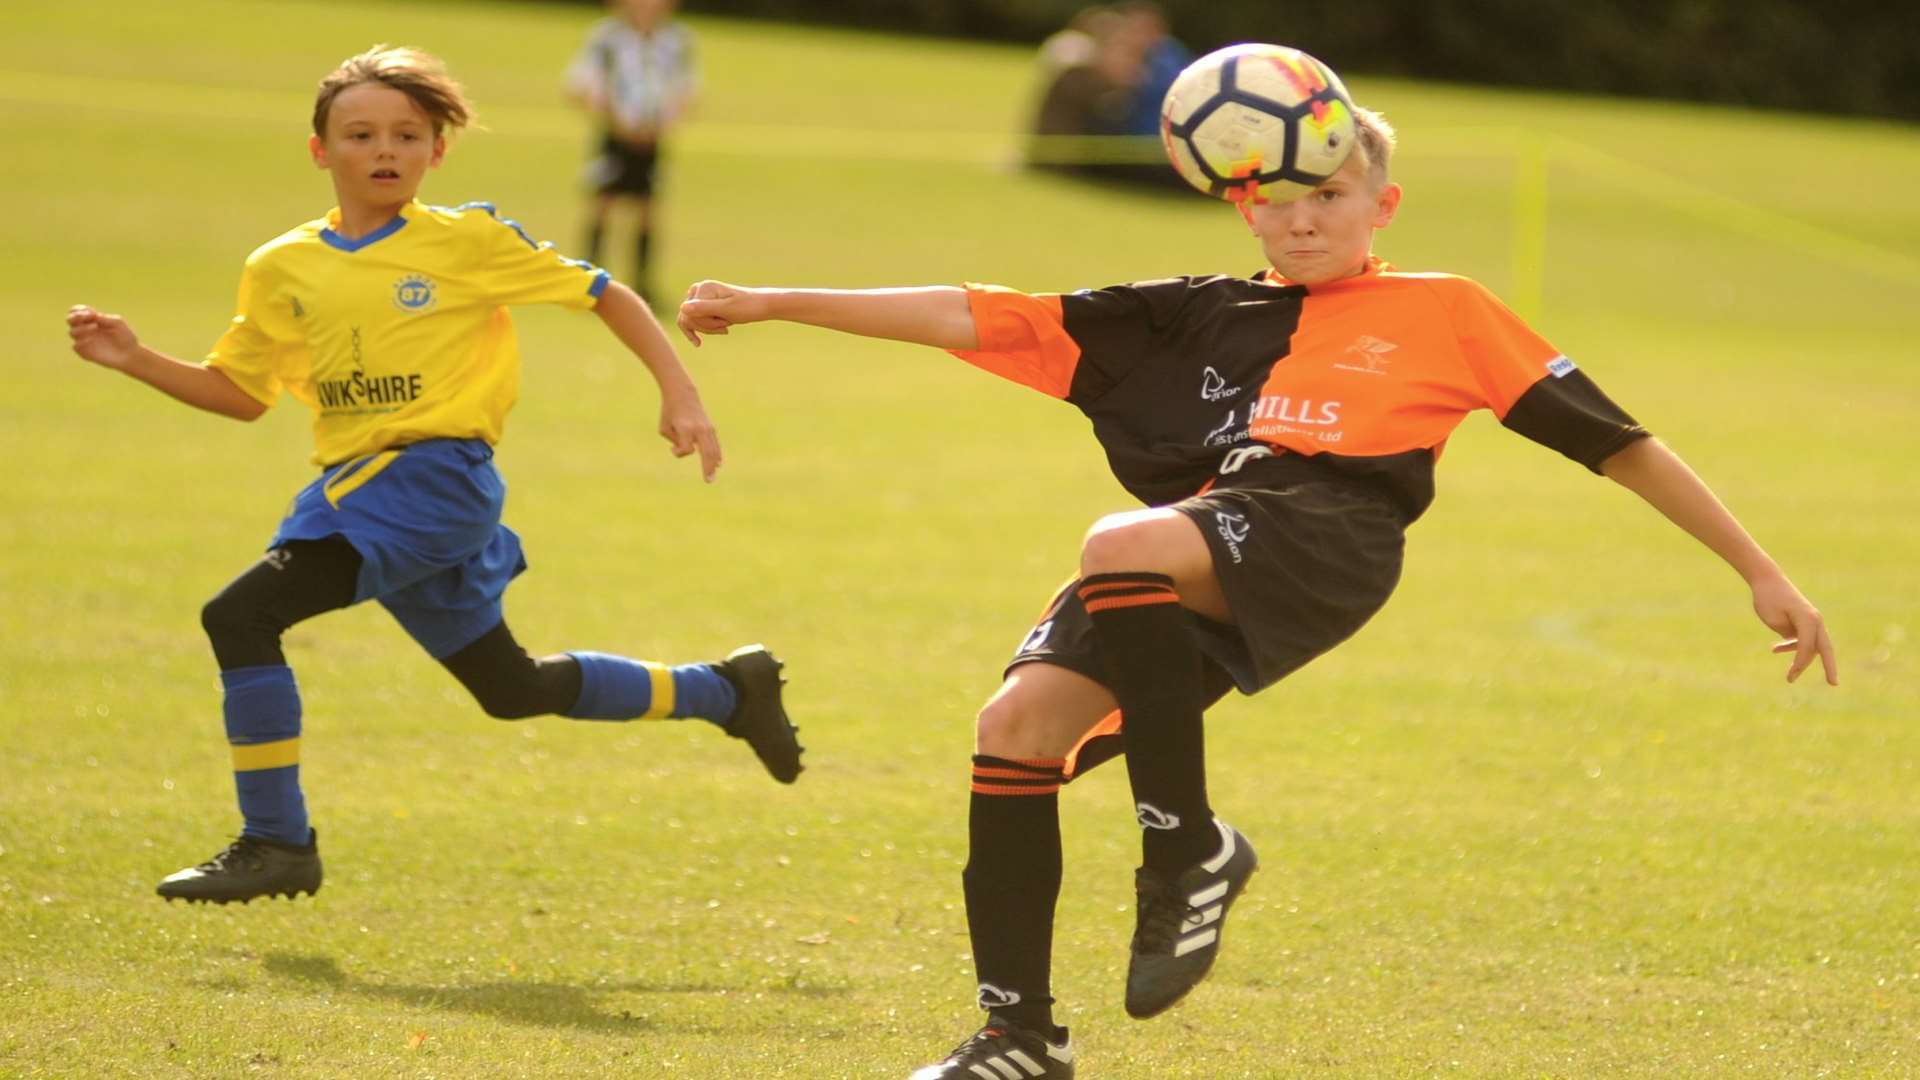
{"points": [[1177, 933], [1004, 1050]]}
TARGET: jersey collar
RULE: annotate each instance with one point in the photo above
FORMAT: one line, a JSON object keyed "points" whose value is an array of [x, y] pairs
{"points": [[335, 240], [1373, 269]]}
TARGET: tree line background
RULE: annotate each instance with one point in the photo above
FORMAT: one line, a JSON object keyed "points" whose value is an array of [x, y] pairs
{"points": [[1859, 57]]}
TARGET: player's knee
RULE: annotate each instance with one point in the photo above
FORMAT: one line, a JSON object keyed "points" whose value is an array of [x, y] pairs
{"points": [[236, 625], [1008, 727], [1119, 542], [527, 688], [510, 699], [219, 616], [502, 706]]}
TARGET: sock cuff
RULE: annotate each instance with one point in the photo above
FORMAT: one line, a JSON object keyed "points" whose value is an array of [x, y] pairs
{"points": [[1017, 776], [260, 705], [242, 680], [617, 688], [1101, 592]]}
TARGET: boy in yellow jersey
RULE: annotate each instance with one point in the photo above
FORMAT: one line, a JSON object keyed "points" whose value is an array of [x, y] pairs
{"points": [[388, 318], [1282, 430]]}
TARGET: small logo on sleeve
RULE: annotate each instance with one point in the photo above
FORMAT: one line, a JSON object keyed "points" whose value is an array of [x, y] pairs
{"points": [[414, 294], [1559, 366]]}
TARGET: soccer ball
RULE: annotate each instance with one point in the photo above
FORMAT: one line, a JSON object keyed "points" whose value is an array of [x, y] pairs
{"points": [[1257, 123]]}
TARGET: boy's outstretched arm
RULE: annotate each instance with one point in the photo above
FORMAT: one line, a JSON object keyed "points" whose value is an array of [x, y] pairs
{"points": [[937, 315], [107, 340], [1655, 473], [683, 419]]}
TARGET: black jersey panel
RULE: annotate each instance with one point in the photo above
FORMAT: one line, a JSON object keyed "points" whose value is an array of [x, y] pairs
{"points": [[1124, 328], [1569, 413], [1169, 372]]}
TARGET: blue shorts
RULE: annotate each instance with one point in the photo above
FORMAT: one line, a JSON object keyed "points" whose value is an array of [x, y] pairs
{"points": [[426, 521]]}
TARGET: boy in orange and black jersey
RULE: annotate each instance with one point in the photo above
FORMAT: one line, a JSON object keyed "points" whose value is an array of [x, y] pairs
{"points": [[1282, 431]]}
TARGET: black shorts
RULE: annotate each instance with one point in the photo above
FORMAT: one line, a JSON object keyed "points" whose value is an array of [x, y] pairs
{"points": [[623, 168], [1304, 559]]}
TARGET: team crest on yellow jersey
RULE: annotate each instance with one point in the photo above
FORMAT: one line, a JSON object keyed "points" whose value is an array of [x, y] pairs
{"points": [[414, 294]]}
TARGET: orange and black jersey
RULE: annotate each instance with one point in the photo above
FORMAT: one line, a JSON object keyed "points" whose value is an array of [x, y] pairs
{"points": [[1367, 376]]}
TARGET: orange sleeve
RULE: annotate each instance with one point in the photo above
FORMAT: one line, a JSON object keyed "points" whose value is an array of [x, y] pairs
{"points": [[1022, 337], [1504, 354]]}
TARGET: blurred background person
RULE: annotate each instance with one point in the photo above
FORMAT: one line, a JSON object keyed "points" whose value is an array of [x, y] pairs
{"points": [[1072, 44], [1163, 57], [635, 73], [1087, 97], [1085, 122]]}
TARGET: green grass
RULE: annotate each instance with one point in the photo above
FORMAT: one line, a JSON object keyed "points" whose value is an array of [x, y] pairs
{"points": [[1553, 814]]}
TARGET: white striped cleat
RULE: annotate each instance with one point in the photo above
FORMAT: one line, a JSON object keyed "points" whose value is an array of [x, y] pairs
{"points": [[1177, 932], [1005, 1051]]}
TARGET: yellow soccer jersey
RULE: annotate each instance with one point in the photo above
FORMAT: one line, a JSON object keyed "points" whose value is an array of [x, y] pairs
{"points": [[398, 336]]}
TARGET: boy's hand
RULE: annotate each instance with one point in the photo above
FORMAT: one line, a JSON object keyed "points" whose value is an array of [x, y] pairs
{"points": [[106, 340], [1793, 616], [713, 306], [684, 424]]}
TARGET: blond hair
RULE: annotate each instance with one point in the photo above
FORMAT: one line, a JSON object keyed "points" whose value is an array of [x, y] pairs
{"points": [[414, 72], [1377, 141]]}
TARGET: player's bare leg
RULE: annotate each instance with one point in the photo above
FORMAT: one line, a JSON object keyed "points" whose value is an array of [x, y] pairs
{"points": [[1159, 541]]}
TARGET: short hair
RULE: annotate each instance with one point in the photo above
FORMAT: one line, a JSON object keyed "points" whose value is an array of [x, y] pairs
{"points": [[1376, 140], [414, 72]]}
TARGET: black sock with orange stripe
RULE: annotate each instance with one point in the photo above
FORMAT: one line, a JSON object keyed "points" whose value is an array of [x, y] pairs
{"points": [[1012, 881], [1154, 669]]}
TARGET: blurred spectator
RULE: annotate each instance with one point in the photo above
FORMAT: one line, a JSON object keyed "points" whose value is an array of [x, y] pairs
{"points": [[1093, 74], [1094, 95], [1162, 58], [1072, 45]]}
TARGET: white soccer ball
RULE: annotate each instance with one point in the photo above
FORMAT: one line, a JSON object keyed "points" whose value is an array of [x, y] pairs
{"points": [[1257, 123]]}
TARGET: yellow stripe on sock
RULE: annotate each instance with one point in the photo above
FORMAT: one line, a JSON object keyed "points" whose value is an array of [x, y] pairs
{"points": [[662, 677], [348, 480], [266, 755]]}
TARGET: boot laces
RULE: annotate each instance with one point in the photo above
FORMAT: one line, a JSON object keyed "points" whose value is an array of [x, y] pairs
{"points": [[245, 853], [1162, 910]]}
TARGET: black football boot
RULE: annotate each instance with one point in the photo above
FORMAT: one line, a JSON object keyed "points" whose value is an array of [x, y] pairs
{"points": [[758, 715], [250, 866], [1178, 927], [1004, 1050]]}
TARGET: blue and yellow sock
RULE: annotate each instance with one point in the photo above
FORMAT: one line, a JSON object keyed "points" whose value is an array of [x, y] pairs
{"points": [[262, 710], [616, 688]]}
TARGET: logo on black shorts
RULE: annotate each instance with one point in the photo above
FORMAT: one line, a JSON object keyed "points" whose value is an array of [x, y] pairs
{"points": [[1036, 638], [1233, 528]]}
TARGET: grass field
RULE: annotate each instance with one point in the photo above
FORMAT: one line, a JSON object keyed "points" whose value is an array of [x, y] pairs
{"points": [[1553, 814]]}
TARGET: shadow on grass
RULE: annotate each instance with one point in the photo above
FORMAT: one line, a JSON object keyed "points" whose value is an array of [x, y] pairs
{"points": [[518, 1001]]}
